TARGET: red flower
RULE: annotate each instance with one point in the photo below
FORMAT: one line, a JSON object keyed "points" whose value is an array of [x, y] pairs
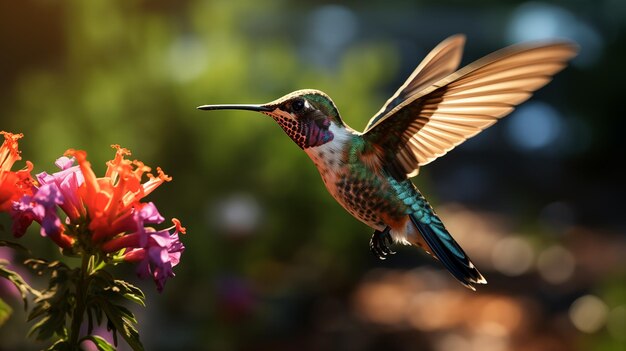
{"points": [[103, 214], [13, 185], [110, 200]]}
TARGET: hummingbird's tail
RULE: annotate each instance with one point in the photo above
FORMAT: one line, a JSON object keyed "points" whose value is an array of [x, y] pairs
{"points": [[449, 253]]}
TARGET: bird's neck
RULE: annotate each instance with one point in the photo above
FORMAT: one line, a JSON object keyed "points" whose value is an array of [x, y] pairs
{"points": [[332, 155]]}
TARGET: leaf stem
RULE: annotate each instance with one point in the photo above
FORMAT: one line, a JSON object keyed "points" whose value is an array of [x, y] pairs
{"points": [[79, 310]]}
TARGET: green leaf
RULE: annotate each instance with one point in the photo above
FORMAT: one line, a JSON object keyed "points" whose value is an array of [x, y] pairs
{"points": [[100, 343], [131, 292], [19, 283], [105, 284], [136, 299], [5, 312], [53, 304], [122, 321], [59, 345], [40, 327], [41, 266], [37, 311]]}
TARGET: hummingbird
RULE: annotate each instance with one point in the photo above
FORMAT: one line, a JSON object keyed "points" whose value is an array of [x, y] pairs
{"points": [[437, 108]]}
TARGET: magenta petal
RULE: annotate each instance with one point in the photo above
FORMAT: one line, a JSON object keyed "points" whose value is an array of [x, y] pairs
{"points": [[150, 214], [51, 225], [160, 276], [155, 255], [175, 258], [147, 214], [143, 269], [68, 180], [70, 183], [42, 207], [64, 162], [45, 178], [47, 198], [161, 238], [162, 253]]}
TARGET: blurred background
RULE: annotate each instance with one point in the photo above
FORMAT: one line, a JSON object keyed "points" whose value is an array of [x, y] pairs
{"points": [[272, 262]]}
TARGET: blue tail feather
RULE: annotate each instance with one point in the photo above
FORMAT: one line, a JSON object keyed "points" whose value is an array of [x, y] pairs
{"points": [[449, 253]]}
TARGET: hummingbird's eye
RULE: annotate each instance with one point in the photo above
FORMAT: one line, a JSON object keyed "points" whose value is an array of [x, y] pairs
{"points": [[297, 105]]}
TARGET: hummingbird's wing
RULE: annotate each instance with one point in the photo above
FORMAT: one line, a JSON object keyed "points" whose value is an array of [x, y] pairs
{"points": [[440, 62], [431, 122]]}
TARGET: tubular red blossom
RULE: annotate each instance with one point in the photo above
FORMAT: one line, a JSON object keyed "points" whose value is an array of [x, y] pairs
{"points": [[135, 255], [9, 152], [122, 242], [142, 214], [62, 240], [110, 200], [13, 184]]}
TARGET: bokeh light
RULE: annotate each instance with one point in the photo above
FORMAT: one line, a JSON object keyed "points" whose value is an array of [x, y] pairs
{"points": [[535, 125], [588, 313], [237, 214], [331, 29], [541, 21], [512, 256], [188, 58], [556, 264]]}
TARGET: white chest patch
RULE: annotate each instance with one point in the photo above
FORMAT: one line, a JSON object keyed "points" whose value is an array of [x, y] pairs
{"points": [[328, 158]]}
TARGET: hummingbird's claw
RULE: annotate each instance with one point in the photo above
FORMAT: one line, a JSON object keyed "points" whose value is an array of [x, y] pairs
{"points": [[380, 242]]}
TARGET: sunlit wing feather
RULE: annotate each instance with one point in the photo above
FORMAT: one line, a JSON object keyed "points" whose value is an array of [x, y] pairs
{"points": [[443, 60], [433, 121]]}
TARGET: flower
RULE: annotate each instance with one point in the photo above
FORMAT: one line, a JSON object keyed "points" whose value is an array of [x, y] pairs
{"points": [[110, 201], [13, 185], [67, 182], [42, 208], [157, 252], [108, 209], [103, 214], [58, 189]]}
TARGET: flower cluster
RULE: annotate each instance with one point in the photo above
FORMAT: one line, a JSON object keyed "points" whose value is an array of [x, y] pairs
{"points": [[103, 216]]}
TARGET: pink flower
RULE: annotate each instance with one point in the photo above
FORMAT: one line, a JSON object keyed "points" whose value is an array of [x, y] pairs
{"points": [[157, 252], [42, 208], [67, 181], [58, 189]]}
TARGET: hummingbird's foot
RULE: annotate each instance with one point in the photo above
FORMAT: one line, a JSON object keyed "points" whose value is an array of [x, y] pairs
{"points": [[379, 243]]}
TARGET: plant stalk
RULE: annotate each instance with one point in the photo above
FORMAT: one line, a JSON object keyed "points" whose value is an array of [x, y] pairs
{"points": [[81, 299]]}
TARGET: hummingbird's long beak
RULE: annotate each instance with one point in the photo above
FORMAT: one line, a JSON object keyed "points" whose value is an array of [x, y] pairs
{"points": [[257, 108]]}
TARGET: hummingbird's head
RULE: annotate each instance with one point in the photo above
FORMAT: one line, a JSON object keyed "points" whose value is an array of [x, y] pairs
{"points": [[305, 115]]}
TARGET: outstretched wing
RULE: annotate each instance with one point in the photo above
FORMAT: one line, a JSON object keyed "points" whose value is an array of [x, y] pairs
{"points": [[431, 122], [439, 63]]}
